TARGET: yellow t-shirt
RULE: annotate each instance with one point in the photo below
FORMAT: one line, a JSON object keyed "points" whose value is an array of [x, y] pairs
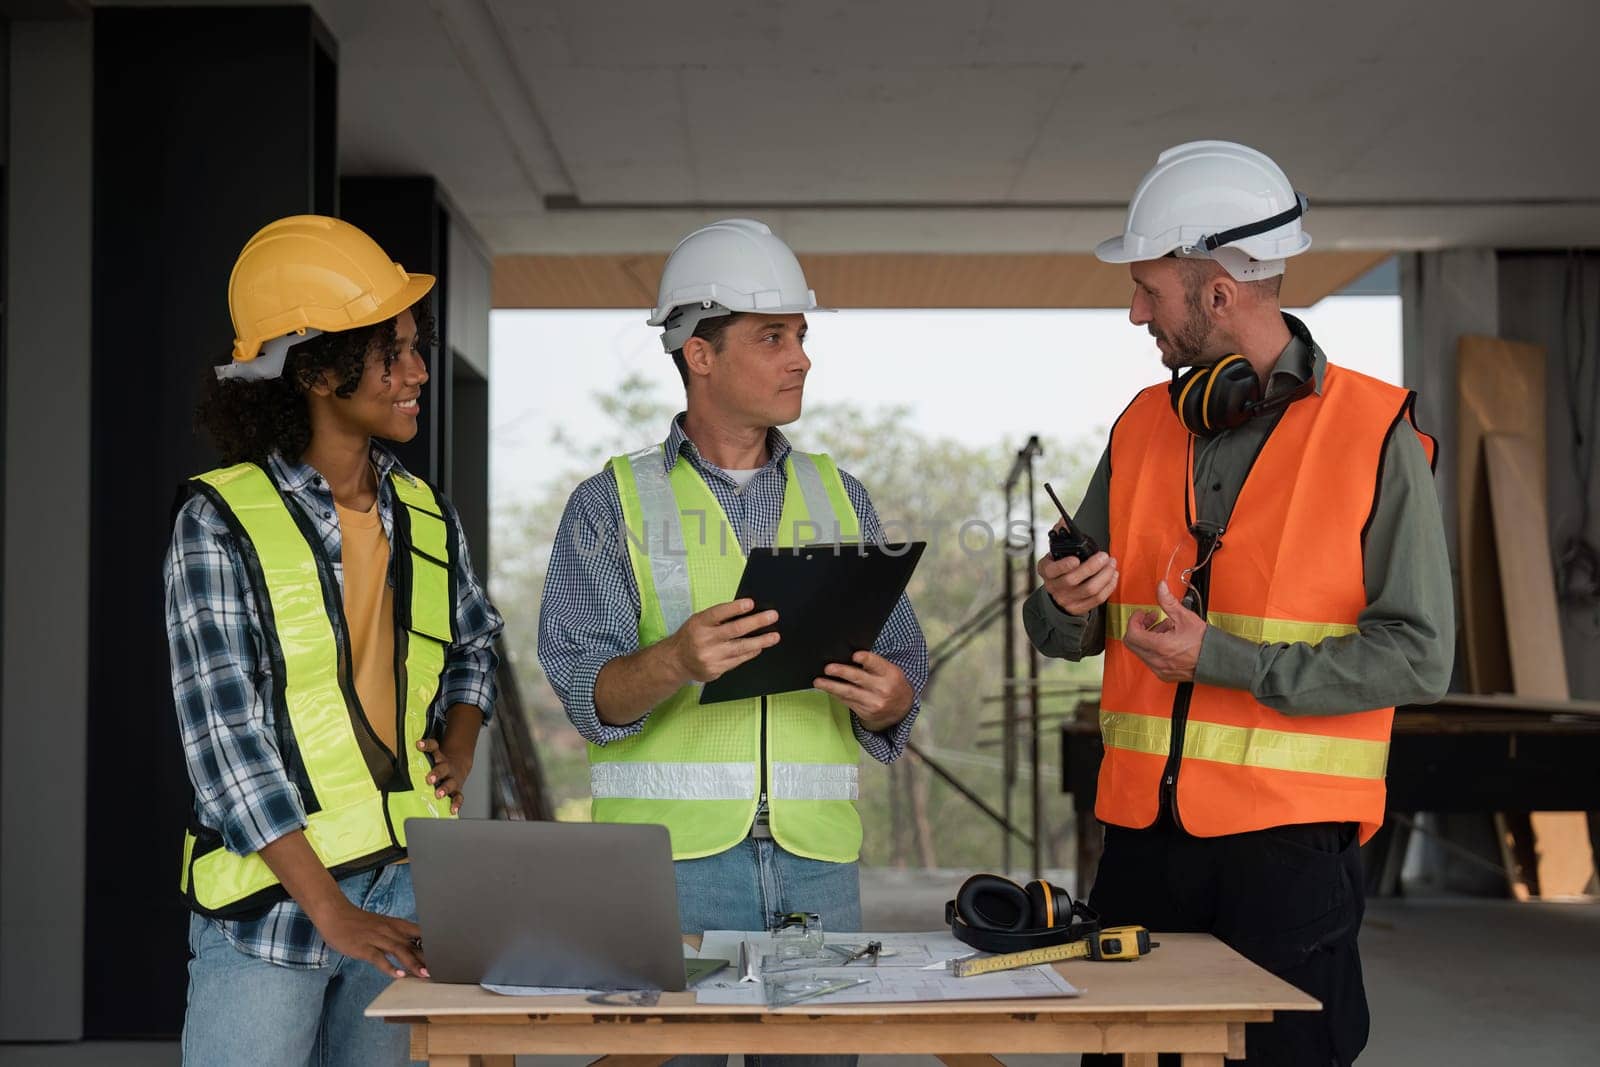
{"points": [[369, 611]]}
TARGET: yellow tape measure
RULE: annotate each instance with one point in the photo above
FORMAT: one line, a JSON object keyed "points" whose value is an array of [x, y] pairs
{"points": [[1116, 943]]}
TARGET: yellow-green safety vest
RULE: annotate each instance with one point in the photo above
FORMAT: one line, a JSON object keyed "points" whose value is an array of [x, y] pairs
{"points": [[699, 769], [354, 822]]}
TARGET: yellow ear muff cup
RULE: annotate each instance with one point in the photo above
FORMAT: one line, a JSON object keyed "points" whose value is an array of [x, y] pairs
{"points": [[1050, 906], [1220, 372], [1184, 405]]}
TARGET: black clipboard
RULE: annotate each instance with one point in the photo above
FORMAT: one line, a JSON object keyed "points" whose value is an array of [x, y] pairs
{"points": [[832, 601]]}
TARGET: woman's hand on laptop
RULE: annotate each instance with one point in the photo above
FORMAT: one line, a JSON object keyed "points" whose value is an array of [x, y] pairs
{"points": [[394, 946], [381, 940]]}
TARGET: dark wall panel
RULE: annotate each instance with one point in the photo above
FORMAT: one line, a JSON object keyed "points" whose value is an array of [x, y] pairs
{"points": [[405, 217], [469, 459], [208, 123]]}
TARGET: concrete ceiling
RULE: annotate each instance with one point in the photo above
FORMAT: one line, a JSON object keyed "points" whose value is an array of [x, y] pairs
{"points": [[612, 127], [574, 126]]}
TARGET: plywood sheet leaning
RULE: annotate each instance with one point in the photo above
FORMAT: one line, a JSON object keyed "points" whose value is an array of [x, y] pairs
{"points": [[1501, 390], [1514, 465], [1515, 468]]}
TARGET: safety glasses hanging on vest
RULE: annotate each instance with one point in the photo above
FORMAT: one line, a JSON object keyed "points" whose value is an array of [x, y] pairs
{"points": [[1192, 550], [1191, 555]]}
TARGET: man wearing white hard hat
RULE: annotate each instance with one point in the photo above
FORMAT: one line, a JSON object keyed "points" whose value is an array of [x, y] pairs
{"points": [[1275, 582], [757, 794]]}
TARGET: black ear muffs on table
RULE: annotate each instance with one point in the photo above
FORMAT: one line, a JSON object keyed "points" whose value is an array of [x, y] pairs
{"points": [[995, 914]]}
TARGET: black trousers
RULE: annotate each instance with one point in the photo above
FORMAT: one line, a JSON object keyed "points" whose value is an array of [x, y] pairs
{"points": [[1289, 899]]}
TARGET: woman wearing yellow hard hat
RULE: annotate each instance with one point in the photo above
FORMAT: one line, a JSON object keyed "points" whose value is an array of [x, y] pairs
{"points": [[332, 655]]}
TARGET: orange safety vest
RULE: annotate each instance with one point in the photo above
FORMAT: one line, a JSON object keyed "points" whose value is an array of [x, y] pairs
{"points": [[1289, 569]]}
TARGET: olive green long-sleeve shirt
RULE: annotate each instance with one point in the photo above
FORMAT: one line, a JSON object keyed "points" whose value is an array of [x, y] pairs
{"points": [[1403, 649]]}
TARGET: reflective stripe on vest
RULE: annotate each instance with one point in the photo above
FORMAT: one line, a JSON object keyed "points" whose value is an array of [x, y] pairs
{"points": [[669, 564], [815, 781], [722, 781], [1342, 757], [1259, 630], [1289, 570], [696, 768], [352, 824]]}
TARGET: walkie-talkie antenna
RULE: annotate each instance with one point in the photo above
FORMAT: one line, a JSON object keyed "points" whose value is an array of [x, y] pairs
{"points": [[1057, 502], [1071, 541], [1072, 527]]}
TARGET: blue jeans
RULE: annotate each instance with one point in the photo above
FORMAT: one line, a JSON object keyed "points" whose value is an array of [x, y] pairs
{"points": [[244, 1010], [740, 889]]}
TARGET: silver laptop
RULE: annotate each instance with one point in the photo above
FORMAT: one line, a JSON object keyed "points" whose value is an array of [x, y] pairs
{"points": [[582, 905]]}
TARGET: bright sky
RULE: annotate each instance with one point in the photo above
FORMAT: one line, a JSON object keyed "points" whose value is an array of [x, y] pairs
{"points": [[978, 376]]}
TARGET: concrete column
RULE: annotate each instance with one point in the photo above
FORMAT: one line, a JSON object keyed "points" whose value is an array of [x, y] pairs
{"points": [[1444, 295], [46, 580]]}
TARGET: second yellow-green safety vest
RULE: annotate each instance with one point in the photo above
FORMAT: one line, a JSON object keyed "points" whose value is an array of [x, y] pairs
{"points": [[700, 769], [354, 821]]}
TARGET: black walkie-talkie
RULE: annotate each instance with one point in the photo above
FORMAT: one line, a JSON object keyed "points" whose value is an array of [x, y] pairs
{"points": [[1071, 541]]}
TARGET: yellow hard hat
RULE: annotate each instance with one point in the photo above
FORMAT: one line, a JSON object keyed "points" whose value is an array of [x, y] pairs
{"points": [[311, 271]]}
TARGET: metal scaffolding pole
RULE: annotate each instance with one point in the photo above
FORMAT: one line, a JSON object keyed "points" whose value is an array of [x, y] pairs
{"points": [[1033, 698], [1021, 471], [1008, 741], [1016, 556]]}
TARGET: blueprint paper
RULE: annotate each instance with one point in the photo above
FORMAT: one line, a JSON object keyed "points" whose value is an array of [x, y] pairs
{"points": [[898, 979]]}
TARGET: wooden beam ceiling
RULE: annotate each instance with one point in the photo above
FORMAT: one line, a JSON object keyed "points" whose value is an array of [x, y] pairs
{"points": [[898, 280]]}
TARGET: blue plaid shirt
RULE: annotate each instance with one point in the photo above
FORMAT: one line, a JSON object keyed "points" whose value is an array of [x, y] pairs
{"points": [[590, 612], [222, 685]]}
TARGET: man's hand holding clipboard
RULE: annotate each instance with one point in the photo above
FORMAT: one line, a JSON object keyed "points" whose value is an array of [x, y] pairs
{"points": [[829, 602], [875, 689], [712, 642]]}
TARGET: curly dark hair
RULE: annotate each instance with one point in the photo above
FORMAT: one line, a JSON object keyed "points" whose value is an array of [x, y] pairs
{"points": [[249, 420]]}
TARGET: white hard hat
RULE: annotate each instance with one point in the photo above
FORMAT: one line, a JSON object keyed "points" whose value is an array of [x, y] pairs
{"points": [[1214, 200], [730, 265]]}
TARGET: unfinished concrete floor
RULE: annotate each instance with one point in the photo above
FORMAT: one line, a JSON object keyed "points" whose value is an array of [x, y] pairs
{"points": [[1452, 981]]}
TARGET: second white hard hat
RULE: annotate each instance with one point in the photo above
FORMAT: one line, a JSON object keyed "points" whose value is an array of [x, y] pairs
{"points": [[1214, 200], [731, 265]]}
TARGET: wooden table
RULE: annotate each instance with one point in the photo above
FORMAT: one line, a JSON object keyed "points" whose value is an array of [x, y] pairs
{"points": [[1193, 995]]}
